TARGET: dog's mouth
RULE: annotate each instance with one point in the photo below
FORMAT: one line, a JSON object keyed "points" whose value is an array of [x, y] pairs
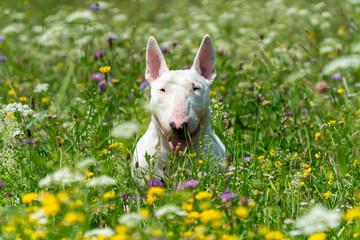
{"points": [[182, 140]]}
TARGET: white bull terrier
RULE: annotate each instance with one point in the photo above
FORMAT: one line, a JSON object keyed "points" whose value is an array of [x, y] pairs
{"points": [[180, 108]]}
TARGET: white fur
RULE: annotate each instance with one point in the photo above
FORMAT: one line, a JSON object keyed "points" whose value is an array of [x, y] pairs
{"points": [[178, 97]]}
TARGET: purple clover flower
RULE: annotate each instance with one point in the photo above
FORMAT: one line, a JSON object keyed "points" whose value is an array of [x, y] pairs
{"points": [[3, 58], [291, 112], [304, 111], [175, 42], [144, 84], [223, 76], [165, 48], [2, 39], [155, 182], [102, 85], [357, 84], [227, 195], [186, 67], [111, 38], [97, 76], [1, 183], [189, 184], [221, 99], [337, 76], [99, 53], [222, 52], [95, 7], [246, 159]]}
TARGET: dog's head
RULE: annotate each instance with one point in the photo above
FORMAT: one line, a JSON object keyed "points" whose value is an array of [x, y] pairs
{"points": [[180, 99]]}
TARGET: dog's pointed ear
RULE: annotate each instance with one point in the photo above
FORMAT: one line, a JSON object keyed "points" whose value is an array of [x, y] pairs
{"points": [[204, 61], [155, 61]]}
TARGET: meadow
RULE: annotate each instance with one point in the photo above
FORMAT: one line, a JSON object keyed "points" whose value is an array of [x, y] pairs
{"points": [[285, 103]]}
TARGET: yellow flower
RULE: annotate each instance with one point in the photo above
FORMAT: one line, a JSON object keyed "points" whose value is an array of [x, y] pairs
{"points": [[108, 195], [355, 235], [157, 232], [251, 204], [340, 91], [356, 162], [210, 215], [341, 31], [317, 155], [261, 157], [121, 229], [12, 93], [62, 197], [188, 234], [169, 234], [318, 236], [200, 162], [351, 214], [192, 154], [45, 100], [242, 212], [193, 214], [331, 123], [302, 184], [203, 195], [115, 80], [317, 135], [187, 207], [357, 113], [312, 35], [272, 235], [89, 175], [150, 199], [331, 178], [145, 212], [296, 155], [10, 114], [105, 69], [272, 152], [29, 197], [22, 99], [74, 217], [307, 172], [228, 237], [155, 190], [50, 204], [212, 93], [327, 194]]}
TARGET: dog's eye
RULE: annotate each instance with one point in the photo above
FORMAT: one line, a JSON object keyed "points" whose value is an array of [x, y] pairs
{"points": [[196, 89], [163, 89]]}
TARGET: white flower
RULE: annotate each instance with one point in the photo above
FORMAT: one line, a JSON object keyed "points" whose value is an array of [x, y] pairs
{"points": [[107, 232], [351, 61], [169, 208], [131, 219], [86, 162], [101, 181], [85, 15], [125, 130], [41, 87], [40, 216], [63, 176], [18, 107], [16, 133], [317, 220]]}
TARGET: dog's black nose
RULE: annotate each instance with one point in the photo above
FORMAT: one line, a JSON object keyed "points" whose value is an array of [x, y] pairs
{"points": [[179, 131]]}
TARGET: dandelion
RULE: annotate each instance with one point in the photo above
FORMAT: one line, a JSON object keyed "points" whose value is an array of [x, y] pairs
{"points": [[12, 93], [331, 123], [210, 215], [105, 70], [109, 195], [22, 99], [340, 91], [50, 204], [318, 236], [352, 214], [29, 197], [203, 195], [317, 135], [45, 100], [274, 235], [242, 212], [71, 218]]}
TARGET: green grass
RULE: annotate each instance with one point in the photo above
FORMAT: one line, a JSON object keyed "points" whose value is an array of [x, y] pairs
{"points": [[274, 54]]}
